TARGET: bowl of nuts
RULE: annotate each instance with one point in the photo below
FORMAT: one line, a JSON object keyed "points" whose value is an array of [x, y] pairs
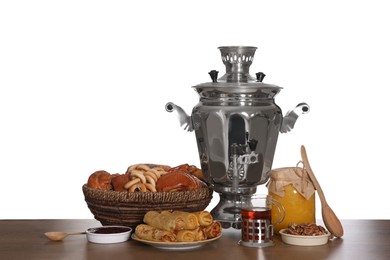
{"points": [[305, 235]]}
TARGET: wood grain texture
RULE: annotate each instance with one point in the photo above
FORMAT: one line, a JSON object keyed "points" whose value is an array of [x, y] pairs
{"points": [[25, 239]]}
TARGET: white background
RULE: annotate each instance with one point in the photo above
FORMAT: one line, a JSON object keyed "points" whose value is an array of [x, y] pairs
{"points": [[83, 85]]}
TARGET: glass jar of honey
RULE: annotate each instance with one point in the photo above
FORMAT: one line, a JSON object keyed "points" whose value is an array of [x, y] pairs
{"points": [[292, 187]]}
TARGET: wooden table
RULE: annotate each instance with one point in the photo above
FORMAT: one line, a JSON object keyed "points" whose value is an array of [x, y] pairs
{"points": [[24, 239]]}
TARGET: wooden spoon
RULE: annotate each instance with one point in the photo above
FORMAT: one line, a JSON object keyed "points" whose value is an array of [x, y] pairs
{"points": [[57, 236], [330, 219]]}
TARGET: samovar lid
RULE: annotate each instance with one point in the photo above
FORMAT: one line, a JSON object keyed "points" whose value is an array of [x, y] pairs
{"points": [[237, 79]]}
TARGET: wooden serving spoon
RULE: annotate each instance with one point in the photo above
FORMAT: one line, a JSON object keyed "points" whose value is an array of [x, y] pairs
{"points": [[57, 236], [330, 219]]}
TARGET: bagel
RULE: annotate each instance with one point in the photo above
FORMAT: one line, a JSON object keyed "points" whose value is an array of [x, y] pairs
{"points": [[131, 183], [138, 187], [151, 175], [143, 167], [155, 172], [150, 180], [150, 187], [139, 175]]}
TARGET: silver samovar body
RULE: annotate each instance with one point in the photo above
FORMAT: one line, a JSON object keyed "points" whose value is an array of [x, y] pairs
{"points": [[236, 124]]}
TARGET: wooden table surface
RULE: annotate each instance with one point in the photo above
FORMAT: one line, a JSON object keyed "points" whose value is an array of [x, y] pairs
{"points": [[24, 239]]}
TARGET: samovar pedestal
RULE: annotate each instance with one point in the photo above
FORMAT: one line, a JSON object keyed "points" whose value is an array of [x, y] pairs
{"points": [[228, 209]]}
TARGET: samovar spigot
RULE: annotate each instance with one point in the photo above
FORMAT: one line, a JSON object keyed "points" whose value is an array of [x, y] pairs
{"points": [[241, 157]]}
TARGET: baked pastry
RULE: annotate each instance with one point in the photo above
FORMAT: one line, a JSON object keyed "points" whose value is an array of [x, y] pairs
{"points": [[213, 230], [149, 178], [178, 180], [147, 232], [177, 226], [192, 169], [171, 220], [100, 180], [190, 235], [204, 217], [118, 181]]}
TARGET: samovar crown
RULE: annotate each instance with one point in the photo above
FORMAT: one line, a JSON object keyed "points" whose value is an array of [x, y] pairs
{"points": [[237, 60]]}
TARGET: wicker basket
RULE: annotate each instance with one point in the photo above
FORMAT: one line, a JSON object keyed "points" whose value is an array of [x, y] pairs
{"points": [[129, 208]]}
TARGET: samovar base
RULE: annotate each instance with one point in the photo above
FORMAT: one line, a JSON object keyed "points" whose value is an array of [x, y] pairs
{"points": [[228, 209]]}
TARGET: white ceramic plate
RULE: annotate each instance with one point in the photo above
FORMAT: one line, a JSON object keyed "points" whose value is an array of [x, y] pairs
{"points": [[175, 245], [303, 240]]}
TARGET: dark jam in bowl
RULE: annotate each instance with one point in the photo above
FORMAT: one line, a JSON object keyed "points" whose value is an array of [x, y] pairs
{"points": [[108, 230]]}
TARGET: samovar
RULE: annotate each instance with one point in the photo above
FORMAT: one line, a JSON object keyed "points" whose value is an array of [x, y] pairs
{"points": [[236, 124]]}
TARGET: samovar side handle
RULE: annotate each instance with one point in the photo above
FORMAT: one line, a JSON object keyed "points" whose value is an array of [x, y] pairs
{"points": [[291, 117], [184, 119]]}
